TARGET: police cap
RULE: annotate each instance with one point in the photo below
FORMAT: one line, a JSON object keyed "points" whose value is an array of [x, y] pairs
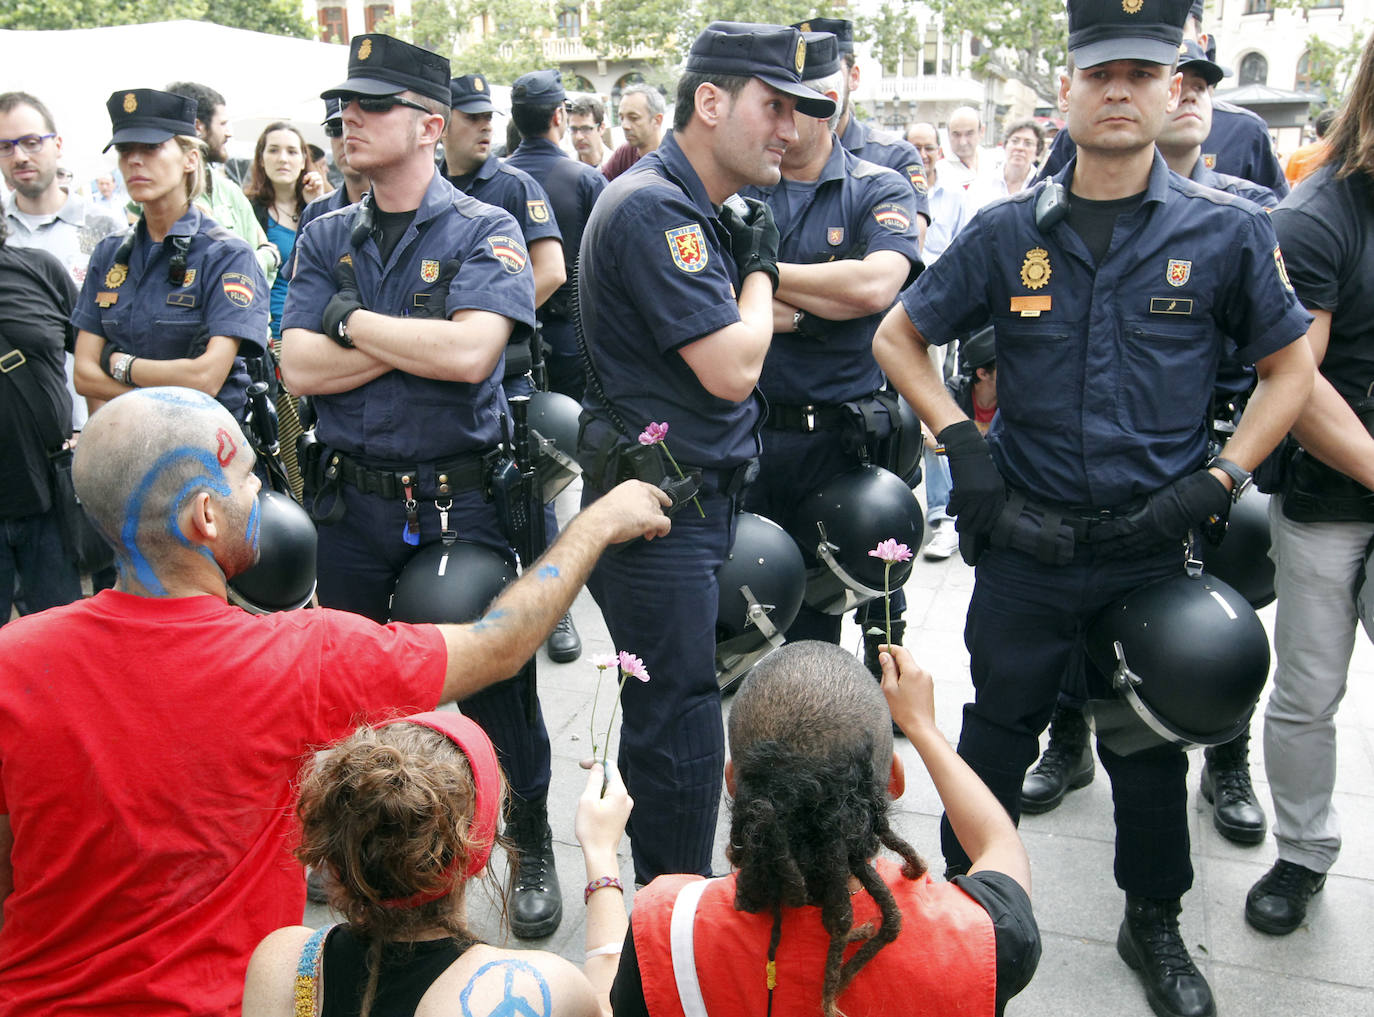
{"points": [[842, 30], [470, 94], [1149, 30], [381, 65], [333, 110], [1193, 57], [538, 88], [773, 54], [149, 117], [822, 56]]}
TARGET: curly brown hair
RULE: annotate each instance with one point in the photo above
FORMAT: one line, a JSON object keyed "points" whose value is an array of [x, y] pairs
{"points": [[386, 815]]}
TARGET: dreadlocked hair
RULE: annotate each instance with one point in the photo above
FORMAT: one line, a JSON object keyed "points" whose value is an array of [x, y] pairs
{"points": [[800, 826], [386, 814]]}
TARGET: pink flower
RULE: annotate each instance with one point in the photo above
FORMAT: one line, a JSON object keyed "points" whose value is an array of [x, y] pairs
{"points": [[605, 662], [654, 433], [890, 551], [632, 665]]}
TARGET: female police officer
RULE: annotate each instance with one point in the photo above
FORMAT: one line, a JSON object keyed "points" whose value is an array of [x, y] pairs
{"points": [[169, 302]]}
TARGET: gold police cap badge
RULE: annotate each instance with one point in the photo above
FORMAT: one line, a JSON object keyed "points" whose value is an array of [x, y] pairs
{"points": [[365, 49], [805, 26], [1035, 270], [1132, 6], [801, 54], [115, 277], [130, 102], [477, 85]]}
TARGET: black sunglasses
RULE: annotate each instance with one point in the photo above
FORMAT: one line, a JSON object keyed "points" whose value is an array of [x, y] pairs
{"points": [[333, 129], [380, 103]]}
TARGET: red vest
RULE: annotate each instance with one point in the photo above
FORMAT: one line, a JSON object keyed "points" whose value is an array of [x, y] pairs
{"points": [[943, 962]]}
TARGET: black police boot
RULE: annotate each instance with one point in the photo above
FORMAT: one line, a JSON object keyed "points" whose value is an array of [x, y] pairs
{"points": [[874, 639], [536, 907], [564, 644], [1066, 765], [1277, 904], [1236, 813], [1151, 946]]}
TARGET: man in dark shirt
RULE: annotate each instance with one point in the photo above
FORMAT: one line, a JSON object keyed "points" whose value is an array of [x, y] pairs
{"points": [[36, 298]]}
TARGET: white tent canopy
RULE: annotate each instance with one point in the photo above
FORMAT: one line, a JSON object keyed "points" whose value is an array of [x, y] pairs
{"points": [[262, 78]]}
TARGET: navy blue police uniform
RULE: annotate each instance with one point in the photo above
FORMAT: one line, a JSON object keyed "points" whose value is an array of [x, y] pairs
{"points": [[337, 198], [573, 188], [657, 274], [404, 451], [1105, 374], [854, 209], [137, 299]]}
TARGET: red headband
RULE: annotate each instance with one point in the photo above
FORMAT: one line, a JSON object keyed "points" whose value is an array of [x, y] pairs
{"points": [[486, 781]]}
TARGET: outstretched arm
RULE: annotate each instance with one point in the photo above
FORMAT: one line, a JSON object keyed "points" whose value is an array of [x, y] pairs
{"points": [[599, 825]]}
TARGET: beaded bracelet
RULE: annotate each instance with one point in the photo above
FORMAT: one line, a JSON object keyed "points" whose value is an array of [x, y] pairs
{"points": [[600, 884]]}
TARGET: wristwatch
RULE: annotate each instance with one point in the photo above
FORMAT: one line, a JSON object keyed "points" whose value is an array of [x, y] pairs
{"points": [[1241, 480], [343, 338]]}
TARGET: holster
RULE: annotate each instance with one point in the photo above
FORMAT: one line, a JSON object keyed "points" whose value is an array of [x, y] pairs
{"points": [[608, 458], [873, 430], [1037, 530]]}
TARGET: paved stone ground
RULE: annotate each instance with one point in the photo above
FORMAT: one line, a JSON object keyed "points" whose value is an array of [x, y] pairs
{"points": [[1326, 967]]}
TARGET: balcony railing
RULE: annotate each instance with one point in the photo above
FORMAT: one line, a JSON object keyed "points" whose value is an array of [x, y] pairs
{"points": [[572, 50]]}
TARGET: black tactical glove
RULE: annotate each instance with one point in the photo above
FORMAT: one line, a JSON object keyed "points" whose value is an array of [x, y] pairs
{"points": [[436, 304], [978, 494], [106, 352], [341, 304], [753, 239], [1198, 501]]}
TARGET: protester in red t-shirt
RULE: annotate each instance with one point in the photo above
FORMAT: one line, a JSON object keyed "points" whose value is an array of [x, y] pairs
{"points": [[149, 735]]}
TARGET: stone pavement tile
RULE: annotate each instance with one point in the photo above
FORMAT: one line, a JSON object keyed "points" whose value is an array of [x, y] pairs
{"points": [[1333, 945], [1245, 990], [1082, 977]]}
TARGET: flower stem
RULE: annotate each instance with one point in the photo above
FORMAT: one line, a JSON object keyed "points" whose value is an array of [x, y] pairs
{"points": [[664, 445], [887, 600], [607, 749], [596, 698]]}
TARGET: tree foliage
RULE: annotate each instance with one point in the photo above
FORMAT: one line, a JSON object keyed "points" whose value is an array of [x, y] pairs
{"points": [[279, 17], [513, 46], [1024, 39]]}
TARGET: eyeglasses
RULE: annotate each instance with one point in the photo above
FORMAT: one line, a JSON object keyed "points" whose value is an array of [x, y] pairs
{"points": [[584, 129], [30, 143], [333, 129], [380, 103]]}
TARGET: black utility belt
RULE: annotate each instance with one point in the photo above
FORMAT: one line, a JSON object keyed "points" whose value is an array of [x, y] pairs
{"points": [[807, 417], [1053, 534], [388, 480]]}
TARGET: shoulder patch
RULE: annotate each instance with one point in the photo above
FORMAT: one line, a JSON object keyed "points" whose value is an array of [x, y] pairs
{"points": [[238, 288], [510, 252], [688, 247], [916, 173], [1283, 269], [892, 216], [538, 210]]}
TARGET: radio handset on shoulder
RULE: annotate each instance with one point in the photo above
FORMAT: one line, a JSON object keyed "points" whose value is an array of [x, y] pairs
{"points": [[362, 222], [1051, 206]]}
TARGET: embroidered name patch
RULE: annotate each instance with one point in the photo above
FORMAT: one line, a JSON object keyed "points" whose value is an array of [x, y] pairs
{"points": [[688, 247], [1170, 305], [238, 288], [106, 298], [510, 253], [892, 216], [1030, 307]]}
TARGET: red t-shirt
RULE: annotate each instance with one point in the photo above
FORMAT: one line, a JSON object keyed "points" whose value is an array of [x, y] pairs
{"points": [[148, 750], [621, 159]]}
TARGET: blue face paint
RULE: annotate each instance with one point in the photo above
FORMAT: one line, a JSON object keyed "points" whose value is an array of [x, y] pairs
{"points": [[212, 477], [548, 572], [179, 397], [254, 525], [515, 1002]]}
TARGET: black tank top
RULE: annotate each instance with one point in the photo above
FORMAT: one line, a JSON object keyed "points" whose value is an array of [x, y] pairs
{"points": [[408, 970]]}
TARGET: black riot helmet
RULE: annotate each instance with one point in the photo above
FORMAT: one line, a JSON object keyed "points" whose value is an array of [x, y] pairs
{"points": [[1186, 658], [554, 417], [448, 584], [838, 523], [909, 444], [284, 577], [1242, 559], [761, 585]]}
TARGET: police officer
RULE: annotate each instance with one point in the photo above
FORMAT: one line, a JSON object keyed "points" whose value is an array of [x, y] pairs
{"points": [[355, 184], [472, 167], [538, 108], [868, 142], [178, 300], [1111, 289], [399, 313], [676, 296], [848, 244]]}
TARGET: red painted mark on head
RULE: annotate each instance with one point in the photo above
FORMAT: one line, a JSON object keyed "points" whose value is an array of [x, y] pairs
{"points": [[227, 449]]}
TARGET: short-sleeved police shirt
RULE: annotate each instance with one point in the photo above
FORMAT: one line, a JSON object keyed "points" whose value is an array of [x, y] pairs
{"points": [[498, 183], [1326, 227], [888, 150], [401, 417], [854, 209], [143, 311], [657, 274], [1105, 372]]}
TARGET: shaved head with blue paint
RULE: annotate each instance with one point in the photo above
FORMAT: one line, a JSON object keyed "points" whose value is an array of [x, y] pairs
{"points": [[149, 465]]}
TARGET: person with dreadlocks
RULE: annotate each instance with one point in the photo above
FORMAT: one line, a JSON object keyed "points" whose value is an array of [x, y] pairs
{"points": [[811, 921]]}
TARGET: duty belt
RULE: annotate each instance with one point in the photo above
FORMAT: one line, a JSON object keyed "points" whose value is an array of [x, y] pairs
{"points": [[805, 417], [729, 481], [466, 473]]}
